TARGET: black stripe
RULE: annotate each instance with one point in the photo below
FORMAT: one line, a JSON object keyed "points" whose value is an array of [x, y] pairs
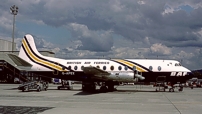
{"points": [[44, 58], [139, 65], [122, 64], [33, 60]]}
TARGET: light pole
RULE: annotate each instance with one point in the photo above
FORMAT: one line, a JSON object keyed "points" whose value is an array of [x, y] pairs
{"points": [[14, 11]]}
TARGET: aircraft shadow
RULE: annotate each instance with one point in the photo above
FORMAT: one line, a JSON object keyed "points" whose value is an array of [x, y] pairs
{"points": [[117, 91], [88, 93], [11, 89]]}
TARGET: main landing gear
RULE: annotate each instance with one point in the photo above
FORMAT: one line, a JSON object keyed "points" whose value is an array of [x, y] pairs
{"points": [[104, 86]]}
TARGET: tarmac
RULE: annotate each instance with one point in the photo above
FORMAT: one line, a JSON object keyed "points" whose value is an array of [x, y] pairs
{"points": [[128, 99]]}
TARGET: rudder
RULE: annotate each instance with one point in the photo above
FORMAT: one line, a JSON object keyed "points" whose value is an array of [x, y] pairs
{"points": [[28, 48]]}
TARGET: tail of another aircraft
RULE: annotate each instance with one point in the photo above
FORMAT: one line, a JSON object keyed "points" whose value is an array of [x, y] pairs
{"points": [[28, 50]]}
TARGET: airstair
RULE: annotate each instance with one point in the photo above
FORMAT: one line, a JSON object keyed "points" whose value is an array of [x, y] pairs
{"points": [[12, 65]]}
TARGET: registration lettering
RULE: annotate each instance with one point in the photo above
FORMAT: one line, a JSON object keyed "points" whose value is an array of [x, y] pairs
{"points": [[68, 73]]}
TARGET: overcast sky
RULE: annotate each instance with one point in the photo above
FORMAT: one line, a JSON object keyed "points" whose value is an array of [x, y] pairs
{"points": [[163, 29]]}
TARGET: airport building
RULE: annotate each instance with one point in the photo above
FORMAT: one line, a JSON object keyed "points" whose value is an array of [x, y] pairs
{"points": [[11, 65], [6, 45]]}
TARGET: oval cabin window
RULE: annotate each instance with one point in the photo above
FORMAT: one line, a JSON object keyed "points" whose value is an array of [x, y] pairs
{"points": [[159, 68], [150, 68], [112, 67], [69, 67], [82, 67], [104, 67], [119, 67], [126, 68], [75, 67]]}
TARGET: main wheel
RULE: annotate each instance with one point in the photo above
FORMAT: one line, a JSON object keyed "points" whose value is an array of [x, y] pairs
{"points": [[38, 88], [25, 88], [171, 90]]}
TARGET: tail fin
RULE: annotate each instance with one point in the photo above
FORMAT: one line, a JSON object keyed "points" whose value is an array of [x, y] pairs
{"points": [[28, 50], [29, 53]]}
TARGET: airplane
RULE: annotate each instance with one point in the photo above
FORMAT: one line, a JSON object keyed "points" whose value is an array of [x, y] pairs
{"points": [[103, 72]]}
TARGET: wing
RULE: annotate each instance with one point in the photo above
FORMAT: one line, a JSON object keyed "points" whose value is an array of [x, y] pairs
{"points": [[95, 72]]}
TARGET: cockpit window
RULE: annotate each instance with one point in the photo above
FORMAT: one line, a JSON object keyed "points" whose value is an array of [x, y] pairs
{"points": [[178, 64]]}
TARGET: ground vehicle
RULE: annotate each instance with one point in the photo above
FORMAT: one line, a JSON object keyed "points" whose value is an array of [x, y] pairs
{"points": [[38, 85], [56, 81], [66, 84]]}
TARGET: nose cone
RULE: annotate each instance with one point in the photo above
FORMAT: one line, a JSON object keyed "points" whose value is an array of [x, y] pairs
{"points": [[190, 74]]}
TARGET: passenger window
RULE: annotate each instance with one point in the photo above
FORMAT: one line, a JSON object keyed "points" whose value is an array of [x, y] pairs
{"points": [[82, 67], [75, 67], [98, 66], [159, 68], [104, 68], [150, 68], [119, 67], [112, 67], [63, 68], [126, 68], [69, 67]]}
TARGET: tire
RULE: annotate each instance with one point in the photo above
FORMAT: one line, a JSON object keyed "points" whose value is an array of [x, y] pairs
{"points": [[171, 90], [38, 88], [25, 88]]}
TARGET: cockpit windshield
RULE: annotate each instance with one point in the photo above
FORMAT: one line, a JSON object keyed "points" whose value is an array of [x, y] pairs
{"points": [[178, 64]]}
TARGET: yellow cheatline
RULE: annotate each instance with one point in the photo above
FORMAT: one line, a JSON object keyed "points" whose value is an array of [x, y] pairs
{"points": [[130, 64], [54, 66]]}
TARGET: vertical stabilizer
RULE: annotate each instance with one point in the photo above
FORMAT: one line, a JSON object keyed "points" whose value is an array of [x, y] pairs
{"points": [[28, 50], [29, 53]]}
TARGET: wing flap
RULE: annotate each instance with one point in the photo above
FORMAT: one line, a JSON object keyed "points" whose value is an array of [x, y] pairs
{"points": [[95, 71]]}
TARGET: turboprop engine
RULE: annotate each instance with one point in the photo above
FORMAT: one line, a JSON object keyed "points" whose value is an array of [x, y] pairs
{"points": [[122, 76]]}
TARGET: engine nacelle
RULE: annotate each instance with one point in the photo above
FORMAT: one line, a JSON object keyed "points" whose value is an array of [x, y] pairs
{"points": [[139, 76], [122, 77]]}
